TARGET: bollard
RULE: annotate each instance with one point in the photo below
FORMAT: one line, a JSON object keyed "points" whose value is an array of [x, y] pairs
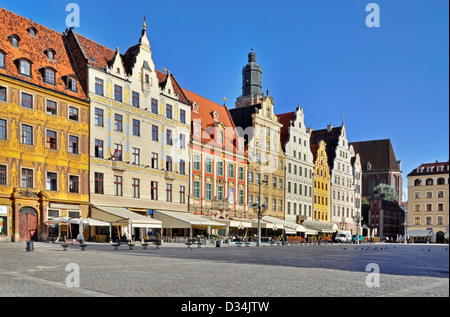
{"points": [[30, 246]]}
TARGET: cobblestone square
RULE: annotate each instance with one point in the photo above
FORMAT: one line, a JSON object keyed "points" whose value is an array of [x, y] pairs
{"points": [[229, 271]]}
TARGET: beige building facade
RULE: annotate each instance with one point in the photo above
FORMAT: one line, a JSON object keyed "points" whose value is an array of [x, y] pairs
{"points": [[428, 202], [140, 128]]}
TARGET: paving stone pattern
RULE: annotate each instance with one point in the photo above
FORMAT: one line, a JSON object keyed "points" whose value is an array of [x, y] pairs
{"points": [[228, 271]]}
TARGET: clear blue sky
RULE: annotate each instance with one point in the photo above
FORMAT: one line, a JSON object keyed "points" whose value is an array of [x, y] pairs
{"points": [[388, 82]]}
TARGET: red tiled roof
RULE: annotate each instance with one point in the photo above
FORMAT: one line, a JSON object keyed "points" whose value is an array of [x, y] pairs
{"points": [[100, 56], [285, 119], [205, 110], [444, 165], [33, 48], [379, 153]]}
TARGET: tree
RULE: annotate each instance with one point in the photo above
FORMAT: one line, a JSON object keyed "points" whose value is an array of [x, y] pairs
{"points": [[386, 192]]}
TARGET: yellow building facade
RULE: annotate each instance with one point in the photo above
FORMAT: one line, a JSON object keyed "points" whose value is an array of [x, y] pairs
{"points": [[44, 133], [322, 182]]}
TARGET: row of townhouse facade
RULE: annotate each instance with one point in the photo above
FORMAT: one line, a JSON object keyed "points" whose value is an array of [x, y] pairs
{"points": [[89, 132]]}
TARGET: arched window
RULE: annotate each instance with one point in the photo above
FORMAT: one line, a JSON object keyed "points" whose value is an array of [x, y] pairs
{"points": [[417, 182], [429, 181], [441, 181]]}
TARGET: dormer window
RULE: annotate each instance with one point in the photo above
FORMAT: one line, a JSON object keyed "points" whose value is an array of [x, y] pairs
{"points": [[215, 115], [195, 106], [24, 67], [71, 84], [32, 31], [2, 59], [49, 75], [50, 54], [14, 39]]}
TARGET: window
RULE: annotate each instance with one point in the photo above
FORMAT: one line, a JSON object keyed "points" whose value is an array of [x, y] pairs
{"points": [[182, 195], [136, 127], [169, 111], [197, 129], [154, 160], [429, 207], [50, 55], [230, 171], [118, 122], [169, 192], [49, 76], [417, 220], [250, 177], [73, 113], [117, 155], [73, 184], [99, 86], [27, 178], [428, 220], [117, 93], [241, 173], [99, 148], [98, 179], [429, 194], [196, 189], [135, 99], [3, 175], [197, 162], [182, 116], [2, 60], [72, 84], [99, 117], [27, 134], [208, 191], [136, 188], [25, 68], [51, 108], [429, 181], [440, 192], [73, 144], [154, 133], [441, 180], [241, 196], [2, 129], [440, 207], [135, 156], [117, 185], [220, 137], [51, 140], [3, 94], [27, 101], [169, 137], [154, 106], [220, 168], [168, 163], [182, 167], [182, 141], [220, 192], [208, 163], [154, 190]]}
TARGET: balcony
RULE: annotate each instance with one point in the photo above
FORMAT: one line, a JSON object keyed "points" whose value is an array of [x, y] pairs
{"points": [[169, 175], [118, 166]]}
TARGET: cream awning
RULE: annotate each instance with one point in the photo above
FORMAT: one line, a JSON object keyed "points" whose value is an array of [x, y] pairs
{"points": [[326, 227], [266, 224], [420, 233], [121, 216], [173, 219], [286, 225]]}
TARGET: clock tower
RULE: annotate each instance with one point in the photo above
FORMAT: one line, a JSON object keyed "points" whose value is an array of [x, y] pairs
{"points": [[251, 82]]}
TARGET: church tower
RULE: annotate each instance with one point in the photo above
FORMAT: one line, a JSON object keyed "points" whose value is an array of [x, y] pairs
{"points": [[251, 82]]}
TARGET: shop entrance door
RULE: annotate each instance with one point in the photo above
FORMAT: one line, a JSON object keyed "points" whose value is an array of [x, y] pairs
{"points": [[28, 224]]}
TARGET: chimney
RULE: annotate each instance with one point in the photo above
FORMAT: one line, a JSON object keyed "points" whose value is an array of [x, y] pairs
{"points": [[329, 128]]}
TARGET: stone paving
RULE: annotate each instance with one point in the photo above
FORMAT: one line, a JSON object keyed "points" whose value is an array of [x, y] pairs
{"points": [[271, 271]]}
